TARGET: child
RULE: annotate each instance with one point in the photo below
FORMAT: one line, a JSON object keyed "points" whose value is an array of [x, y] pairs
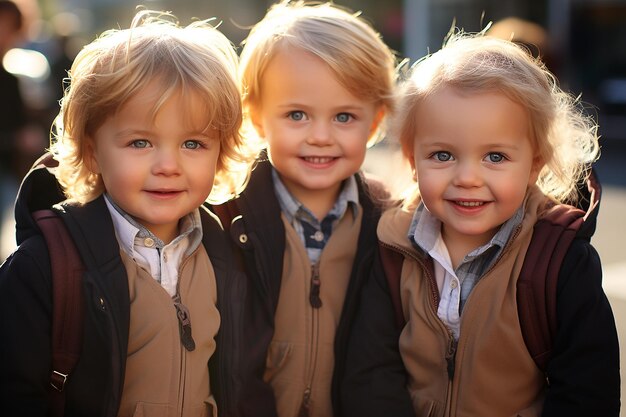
{"points": [[493, 143], [151, 117], [317, 84]]}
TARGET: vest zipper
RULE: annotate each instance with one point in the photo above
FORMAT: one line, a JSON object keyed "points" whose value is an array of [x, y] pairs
{"points": [[306, 403], [184, 326], [316, 303], [314, 294], [450, 355]]}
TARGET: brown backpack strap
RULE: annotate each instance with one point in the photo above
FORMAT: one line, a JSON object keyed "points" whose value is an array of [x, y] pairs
{"points": [[67, 304], [537, 283], [392, 265]]}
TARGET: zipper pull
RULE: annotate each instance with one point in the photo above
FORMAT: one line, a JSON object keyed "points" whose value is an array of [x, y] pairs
{"points": [[314, 296], [184, 324], [306, 403], [450, 358]]}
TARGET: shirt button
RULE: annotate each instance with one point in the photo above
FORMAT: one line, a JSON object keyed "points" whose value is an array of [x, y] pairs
{"points": [[454, 284], [318, 236], [149, 242]]}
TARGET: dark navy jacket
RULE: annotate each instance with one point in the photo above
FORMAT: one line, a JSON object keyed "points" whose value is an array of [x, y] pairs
{"points": [[94, 389]]}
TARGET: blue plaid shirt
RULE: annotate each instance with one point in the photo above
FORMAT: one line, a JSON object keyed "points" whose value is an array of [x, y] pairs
{"points": [[315, 234], [455, 285]]}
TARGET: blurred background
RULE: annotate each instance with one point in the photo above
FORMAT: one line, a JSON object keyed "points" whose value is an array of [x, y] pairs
{"points": [[582, 41]]}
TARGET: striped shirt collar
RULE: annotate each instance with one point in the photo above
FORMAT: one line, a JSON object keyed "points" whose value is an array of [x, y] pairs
{"points": [[314, 233], [293, 209]]}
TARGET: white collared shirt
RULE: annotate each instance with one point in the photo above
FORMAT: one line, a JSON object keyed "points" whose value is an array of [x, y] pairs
{"points": [[149, 252], [455, 286]]}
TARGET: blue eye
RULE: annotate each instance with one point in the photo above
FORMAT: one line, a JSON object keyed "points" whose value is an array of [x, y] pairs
{"points": [[191, 144], [442, 156], [495, 157], [296, 115], [139, 143], [343, 117]]}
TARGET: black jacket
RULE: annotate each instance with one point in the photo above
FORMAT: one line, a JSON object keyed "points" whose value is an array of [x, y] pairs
{"points": [[257, 231], [95, 387]]}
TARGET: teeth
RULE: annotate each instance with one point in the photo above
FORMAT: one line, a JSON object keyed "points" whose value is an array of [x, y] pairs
{"points": [[470, 203], [318, 159]]}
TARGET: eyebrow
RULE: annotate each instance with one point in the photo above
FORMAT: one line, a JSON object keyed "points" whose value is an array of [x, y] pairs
{"points": [[132, 132], [347, 107]]}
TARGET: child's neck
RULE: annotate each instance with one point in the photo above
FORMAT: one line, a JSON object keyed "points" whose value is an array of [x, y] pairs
{"points": [[459, 246]]}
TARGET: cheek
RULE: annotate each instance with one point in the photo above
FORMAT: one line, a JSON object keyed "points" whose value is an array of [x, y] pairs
{"points": [[117, 179], [358, 152], [511, 192], [426, 188], [356, 146]]}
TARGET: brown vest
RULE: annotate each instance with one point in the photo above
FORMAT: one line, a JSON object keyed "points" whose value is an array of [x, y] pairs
{"points": [[300, 360], [494, 374], [162, 378]]}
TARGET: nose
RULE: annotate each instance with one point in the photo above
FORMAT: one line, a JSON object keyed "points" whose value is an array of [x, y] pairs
{"points": [[468, 174], [320, 133], [166, 162]]}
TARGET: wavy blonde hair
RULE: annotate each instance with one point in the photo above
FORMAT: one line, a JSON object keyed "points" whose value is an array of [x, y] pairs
{"points": [[109, 71], [353, 50], [562, 135]]}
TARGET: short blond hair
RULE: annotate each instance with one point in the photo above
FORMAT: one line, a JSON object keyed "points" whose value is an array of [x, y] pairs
{"points": [[113, 68], [352, 49], [564, 138]]}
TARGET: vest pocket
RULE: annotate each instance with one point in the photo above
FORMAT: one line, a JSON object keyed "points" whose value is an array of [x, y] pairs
{"points": [[429, 408], [152, 410], [277, 354], [211, 407], [208, 409]]}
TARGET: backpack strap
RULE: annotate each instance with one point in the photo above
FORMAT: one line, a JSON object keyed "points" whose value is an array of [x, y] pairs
{"points": [[67, 303], [392, 265], [537, 284]]}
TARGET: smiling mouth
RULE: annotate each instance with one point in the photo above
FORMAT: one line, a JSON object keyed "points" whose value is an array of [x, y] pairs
{"points": [[319, 159], [469, 203], [164, 192]]}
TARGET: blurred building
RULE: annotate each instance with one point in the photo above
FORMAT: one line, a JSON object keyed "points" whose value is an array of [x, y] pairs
{"points": [[586, 38]]}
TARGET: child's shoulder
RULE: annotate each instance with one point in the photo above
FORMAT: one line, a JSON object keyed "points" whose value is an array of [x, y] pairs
{"points": [[374, 189]]}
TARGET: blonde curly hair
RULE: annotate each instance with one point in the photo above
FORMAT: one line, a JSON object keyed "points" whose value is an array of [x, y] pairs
{"points": [[564, 137], [113, 68]]}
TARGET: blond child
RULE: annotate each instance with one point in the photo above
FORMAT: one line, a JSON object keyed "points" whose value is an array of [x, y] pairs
{"points": [[494, 144], [149, 122], [317, 83]]}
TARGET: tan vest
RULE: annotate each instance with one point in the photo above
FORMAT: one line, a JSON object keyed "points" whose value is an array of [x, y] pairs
{"points": [[162, 378], [494, 374], [300, 360]]}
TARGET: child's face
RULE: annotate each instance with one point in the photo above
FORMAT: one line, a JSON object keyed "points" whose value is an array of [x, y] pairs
{"points": [[316, 130], [157, 169], [474, 161]]}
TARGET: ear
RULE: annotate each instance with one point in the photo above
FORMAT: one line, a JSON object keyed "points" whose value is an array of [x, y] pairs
{"points": [[411, 159], [254, 113], [89, 156], [380, 114], [535, 169], [408, 154]]}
